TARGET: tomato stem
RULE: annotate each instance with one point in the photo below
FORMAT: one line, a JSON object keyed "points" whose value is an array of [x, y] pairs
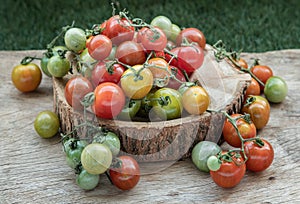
{"points": [[26, 60]]}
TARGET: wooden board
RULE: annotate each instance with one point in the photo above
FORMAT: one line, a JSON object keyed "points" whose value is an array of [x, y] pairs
{"points": [[34, 170]]}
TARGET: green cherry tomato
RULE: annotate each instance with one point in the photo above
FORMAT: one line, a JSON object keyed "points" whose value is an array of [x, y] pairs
{"points": [[96, 158], [167, 103], [87, 181], [202, 151], [75, 39], [111, 140], [275, 89], [175, 30], [73, 149], [130, 109], [164, 23], [46, 124], [44, 63], [58, 66], [213, 163]]}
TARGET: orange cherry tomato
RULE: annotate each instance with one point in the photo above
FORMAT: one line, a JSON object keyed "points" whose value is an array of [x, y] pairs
{"points": [[160, 69], [242, 62], [263, 73], [253, 88], [26, 78]]}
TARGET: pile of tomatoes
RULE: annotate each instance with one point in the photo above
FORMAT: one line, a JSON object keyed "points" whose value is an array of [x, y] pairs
{"points": [[249, 151], [127, 69]]}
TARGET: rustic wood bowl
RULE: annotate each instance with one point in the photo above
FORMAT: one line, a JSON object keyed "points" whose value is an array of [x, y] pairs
{"points": [[171, 140]]}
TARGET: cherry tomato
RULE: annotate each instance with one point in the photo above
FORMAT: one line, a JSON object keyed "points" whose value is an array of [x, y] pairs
{"points": [[127, 175], [106, 71], [75, 39], [73, 149], [58, 66], [153, 39], [246, 129], [86, 180], [75, 90], [164, 23], [160, 70], [130, 53], [242, 62], [191, 35], [26, 78], [275, 89], [130, 109], [259, 109], [137, 82], [109, 100], [96, 158], [110, 139], [175, 30], [46, 124], [176, 79], [99, 47], [167, 103], [146, 105], [260, 157], [253, 88], [43, 64], [195, 100], [230, 173], [189, 58], [263, 73], [202, 151], [118, 30], [87, 64]]}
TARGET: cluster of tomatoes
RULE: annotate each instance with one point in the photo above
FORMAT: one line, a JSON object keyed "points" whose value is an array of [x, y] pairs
{"points": [[250, 152]]}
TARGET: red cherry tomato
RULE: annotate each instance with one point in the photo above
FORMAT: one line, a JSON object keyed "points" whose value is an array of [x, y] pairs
{"points": [[247, 130], [99, 47], [128, 175], [259, 157], [230, 173], [130, 53], [118, 30], [109, 100], [176, 83], [153, 39], [253, 88], [189, 58], [104, 71], [263, 73], [191, 35], [75, 90]]}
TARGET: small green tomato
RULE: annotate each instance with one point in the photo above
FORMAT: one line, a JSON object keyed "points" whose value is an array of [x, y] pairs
{"points": [[46, 124]]}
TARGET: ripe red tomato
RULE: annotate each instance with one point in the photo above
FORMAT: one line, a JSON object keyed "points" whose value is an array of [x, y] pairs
{"points": [[99, 47], [109, 100], [118, 30], [230, 173], [189, 58], [153, 39], [253, 88], [130, 53], [263, 73], [105, 71], [75, 90], [180, 78], [259, 157], [259, 110], [127, 176], [191, 35], [26, 78], [247, 130], [160, 70]]}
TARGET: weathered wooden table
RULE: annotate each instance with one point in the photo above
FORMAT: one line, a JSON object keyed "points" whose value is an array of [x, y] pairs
{"points": [[34, 170]]}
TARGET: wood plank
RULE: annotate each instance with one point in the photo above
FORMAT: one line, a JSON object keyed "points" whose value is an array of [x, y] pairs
{"points": [[33, 170]]}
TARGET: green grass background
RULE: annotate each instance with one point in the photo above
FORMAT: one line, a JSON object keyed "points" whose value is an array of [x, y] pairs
{"points": [[254, 26]]}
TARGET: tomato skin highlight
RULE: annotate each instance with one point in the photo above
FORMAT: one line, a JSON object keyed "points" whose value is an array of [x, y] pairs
{"points": [[259, 158], [109, 100], [26, 78], [128, 175]]}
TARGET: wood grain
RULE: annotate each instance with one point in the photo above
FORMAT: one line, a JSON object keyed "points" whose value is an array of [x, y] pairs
{"points": [[33, 170]]}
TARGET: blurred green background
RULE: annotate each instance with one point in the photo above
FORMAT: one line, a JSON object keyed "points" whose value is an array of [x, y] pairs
{"points": [[254, 26]]}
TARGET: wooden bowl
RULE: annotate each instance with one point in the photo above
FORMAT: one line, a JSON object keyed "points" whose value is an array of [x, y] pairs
{"points": [[174, 139]]}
